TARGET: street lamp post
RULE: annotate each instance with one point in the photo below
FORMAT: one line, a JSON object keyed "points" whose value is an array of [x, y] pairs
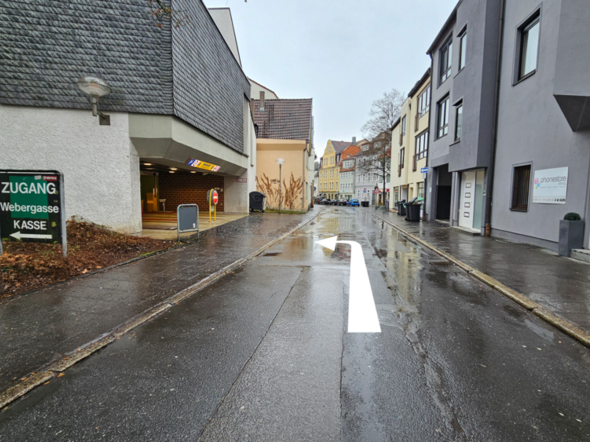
{"points": [[280, 162]]}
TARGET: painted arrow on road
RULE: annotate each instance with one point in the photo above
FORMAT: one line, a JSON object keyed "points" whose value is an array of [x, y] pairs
{"points": [[362, 313], [19, 235]]}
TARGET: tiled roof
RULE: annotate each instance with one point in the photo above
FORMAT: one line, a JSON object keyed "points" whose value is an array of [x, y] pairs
{"points": [[191, 73], [339, 146], [284, 119]]}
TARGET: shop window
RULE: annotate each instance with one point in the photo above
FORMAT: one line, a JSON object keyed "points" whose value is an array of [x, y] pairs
{"points": [[520, 188]]}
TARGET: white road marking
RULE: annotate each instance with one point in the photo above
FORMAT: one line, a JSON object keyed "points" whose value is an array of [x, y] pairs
{"points": [[19, 235], [362, 313]]}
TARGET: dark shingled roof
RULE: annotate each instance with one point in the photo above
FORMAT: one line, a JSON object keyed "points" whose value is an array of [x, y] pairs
{"points": [[46, 46], [284, 119]]}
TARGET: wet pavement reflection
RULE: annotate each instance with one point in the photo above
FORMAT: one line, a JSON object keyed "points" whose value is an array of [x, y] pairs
{"points": [[263, 355]]}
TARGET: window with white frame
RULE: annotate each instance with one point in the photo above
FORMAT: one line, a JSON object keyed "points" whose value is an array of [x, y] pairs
{"points": [[424, 101], [422, 145]]}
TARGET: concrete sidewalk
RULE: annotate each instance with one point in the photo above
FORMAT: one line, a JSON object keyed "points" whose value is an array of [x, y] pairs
{"points": [[560, 285], [42, 327]]}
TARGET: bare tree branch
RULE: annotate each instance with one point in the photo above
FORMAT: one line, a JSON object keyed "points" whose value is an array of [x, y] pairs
{"points": [[384, 112]]}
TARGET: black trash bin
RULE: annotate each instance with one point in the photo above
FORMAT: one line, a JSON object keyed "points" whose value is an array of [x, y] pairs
{"points": [[401, 209], [413, 212], [257, 201], [364, 203]]}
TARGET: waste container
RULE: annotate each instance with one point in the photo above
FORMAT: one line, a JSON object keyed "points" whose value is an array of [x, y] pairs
{"points": [[364, 203], [257, 201], [413, 212], [401, 210]]}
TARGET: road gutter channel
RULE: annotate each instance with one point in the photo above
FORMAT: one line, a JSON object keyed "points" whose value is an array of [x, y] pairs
{"points": [[564, 325], [52, 370]]}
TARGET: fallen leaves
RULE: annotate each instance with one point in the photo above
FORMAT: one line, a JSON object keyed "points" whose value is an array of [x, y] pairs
{"points": [[28, 266]]}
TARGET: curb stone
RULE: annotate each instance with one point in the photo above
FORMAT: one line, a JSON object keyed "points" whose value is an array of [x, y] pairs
{"points": [[551, 318], [52, 370]]}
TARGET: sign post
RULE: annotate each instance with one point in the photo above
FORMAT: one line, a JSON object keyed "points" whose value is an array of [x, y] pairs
{"points": [[32, 207], [212, 198]]}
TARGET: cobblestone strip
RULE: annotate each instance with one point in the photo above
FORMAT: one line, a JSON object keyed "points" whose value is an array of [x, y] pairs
{"points": [[50, 371], [564, 325]]}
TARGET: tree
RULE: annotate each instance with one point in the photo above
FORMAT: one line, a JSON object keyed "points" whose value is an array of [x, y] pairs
{"points": [[376, 159], [384, 112]]}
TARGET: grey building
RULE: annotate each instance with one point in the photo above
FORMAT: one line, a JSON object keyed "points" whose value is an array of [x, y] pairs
{"points": [[543, 137], [464, 63], [178, 99]]}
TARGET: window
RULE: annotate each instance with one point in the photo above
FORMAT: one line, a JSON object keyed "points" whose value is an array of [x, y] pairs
{"points": [[459, 122], [421, 190], [422, 145], [377, 144], [462, 48], [529, 46], [443, 117], [402, 157], [424, 102], [404, 125], [446, 60], [520, 188]]}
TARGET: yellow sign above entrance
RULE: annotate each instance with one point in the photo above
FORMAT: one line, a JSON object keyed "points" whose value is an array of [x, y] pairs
{"points": [[202, 165]]}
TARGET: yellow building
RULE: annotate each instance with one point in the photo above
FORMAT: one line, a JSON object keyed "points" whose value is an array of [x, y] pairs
{"points": [[330, 170], [285, 131], [409, 142]]}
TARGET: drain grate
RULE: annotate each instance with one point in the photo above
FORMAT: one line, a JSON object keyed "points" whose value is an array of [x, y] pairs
{"points": [[272, 254]]}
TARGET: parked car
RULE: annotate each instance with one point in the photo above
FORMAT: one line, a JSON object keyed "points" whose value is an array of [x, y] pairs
{"points": [[334, 202], [354, 203], [323, 201], [342, 203]]}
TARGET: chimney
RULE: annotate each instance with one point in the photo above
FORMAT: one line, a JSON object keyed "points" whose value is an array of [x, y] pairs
{"points": [[261, 101], [353, 140]]}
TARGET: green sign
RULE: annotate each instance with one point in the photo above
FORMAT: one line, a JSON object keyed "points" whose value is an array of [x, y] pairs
{"points": [[31, 207]]}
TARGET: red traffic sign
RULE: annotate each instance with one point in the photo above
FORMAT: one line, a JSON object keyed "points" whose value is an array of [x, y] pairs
{"points": [[214, 197]]}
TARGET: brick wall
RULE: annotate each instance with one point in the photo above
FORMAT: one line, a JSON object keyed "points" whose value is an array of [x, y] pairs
{"points": [[190, 189]]}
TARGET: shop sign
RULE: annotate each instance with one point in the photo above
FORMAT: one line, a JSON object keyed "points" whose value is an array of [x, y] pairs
{"points": [[550, 186], [31, 206], [202, 165]]}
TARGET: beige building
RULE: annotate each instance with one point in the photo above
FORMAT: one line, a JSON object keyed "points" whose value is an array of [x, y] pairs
{"points": [[410, 144], [284, 129]]}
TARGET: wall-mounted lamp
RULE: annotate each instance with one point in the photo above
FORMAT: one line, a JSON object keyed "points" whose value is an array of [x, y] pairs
{"points": [[95, 88]]}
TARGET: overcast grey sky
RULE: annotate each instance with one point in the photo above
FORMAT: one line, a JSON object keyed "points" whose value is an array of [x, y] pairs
{"points": [[342, 53]]}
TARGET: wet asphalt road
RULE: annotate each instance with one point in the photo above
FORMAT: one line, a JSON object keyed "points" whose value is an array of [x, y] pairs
{"points": [[264, 355]]}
